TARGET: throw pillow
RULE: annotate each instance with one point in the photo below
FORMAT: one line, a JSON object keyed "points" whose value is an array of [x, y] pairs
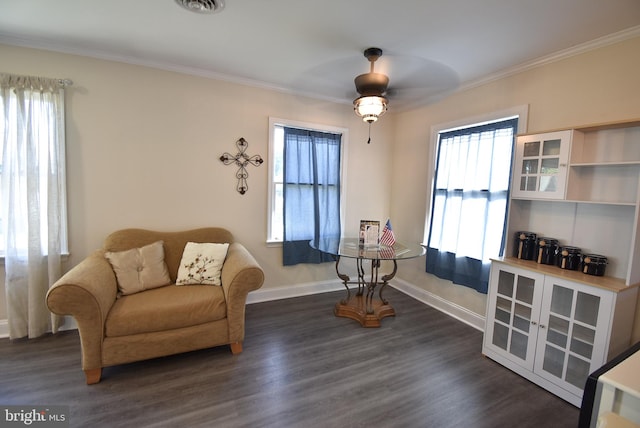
{"points": [[201, 263], [140, 269]]}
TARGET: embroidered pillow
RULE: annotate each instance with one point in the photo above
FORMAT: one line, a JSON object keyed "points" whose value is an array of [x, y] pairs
{"points": [[140, 269], [201, 263]]}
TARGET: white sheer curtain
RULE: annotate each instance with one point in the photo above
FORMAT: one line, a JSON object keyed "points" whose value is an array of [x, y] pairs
{"points": [[33, 198], [469, 205]]}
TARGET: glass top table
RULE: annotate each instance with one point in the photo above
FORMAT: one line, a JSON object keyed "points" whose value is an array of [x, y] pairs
{"points": [[364, 306], [350, 247]]}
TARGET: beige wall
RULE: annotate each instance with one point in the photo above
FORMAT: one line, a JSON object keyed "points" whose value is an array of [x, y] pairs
{"points": [[599, 86], [143, 147]]}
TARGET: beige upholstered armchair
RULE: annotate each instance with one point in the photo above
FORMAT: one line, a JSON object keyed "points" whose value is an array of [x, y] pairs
{"points": [[120, 325]]}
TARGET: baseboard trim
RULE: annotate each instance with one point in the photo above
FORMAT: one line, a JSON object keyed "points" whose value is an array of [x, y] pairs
{"points": [[69, 324], [454, 310], [278, 293]]}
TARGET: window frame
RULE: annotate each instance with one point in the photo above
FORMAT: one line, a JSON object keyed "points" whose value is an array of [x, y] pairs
{"points": [[271, 201], [521, 112]]}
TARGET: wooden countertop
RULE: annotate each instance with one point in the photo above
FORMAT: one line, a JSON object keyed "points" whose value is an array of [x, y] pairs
{"points": [[606, 282]]}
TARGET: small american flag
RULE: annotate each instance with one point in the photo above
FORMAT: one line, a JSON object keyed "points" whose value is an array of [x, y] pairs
{"points": [[387, 237], [386, 252]]}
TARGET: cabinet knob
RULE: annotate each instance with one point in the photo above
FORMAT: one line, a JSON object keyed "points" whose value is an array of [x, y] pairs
{"points": [[542, 326], [533, 322]]}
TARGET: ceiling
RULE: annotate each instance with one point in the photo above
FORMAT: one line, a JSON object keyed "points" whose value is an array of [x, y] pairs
{"points": [[430, 47]]}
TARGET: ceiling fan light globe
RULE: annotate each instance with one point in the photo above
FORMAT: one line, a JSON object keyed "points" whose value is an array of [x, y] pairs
{"points": [[370, 108]]}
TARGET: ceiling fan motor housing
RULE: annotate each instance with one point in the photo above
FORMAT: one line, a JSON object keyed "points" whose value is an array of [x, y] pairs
{"points": [[371, 84]]}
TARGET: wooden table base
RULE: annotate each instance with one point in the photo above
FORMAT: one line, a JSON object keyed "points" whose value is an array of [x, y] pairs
{"points": [[356, 308]]}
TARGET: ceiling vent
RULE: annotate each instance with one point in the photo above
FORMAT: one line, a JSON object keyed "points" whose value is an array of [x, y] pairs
{"points": [[202, 6]]}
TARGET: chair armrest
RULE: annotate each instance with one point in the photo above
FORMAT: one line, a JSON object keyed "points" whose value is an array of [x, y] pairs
{"points": [[87, 293], [241, 274]]}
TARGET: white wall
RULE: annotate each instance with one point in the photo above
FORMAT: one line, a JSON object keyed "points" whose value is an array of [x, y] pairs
{"points": [[143, 148], [594, 87]]}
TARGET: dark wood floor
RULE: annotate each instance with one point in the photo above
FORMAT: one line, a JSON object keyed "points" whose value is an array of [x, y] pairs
{"points": [[301, 367]]}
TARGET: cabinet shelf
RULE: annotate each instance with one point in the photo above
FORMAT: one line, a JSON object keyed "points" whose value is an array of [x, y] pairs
{"points": [[503, 316], [610, 182], [604, 164], [522, 324], [599, 202], [583, 341], [607, 146], [572, 352], [596, 228], [580, 201]]}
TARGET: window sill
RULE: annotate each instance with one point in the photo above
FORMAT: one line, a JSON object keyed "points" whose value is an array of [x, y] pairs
{"points": [[274, 244]]}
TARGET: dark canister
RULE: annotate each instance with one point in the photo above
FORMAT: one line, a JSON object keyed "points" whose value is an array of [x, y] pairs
{"points": [[546, 251], [594, 264], [569, 258], [525, 246]]}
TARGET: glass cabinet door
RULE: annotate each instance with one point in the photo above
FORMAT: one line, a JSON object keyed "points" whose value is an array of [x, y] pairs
{"points": [[512, 320], [541, 165], [573, 327]]}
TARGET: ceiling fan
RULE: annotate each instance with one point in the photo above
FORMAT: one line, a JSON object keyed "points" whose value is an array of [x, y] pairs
{"points": [[406, 81], [416, 81], [372, 87]]}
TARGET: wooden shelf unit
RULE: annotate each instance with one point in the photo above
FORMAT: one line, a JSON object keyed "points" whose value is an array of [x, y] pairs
{"points": [[599, 210]]}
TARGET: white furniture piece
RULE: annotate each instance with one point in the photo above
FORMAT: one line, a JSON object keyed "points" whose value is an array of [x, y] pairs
{"points": [[582, 187], [541, 164], [596, 203], [554, 327], [620, 394]]}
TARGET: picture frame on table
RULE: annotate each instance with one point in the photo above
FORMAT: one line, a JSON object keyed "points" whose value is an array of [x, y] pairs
{"points": [[369, 235]]}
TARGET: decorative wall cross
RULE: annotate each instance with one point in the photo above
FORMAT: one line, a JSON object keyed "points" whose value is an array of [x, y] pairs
{"points": [[241, 159]]}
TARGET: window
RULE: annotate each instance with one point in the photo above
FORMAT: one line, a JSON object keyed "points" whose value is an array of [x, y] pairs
{"points": [[32, 198], [32, 157], [466, 226], [276, 171]]}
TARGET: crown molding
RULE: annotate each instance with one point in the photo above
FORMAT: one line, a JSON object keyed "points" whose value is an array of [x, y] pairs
{"points": [[607, 40], [158, 65]]}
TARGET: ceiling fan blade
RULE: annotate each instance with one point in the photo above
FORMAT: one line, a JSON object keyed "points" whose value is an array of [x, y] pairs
{"points": [[411, 80]]}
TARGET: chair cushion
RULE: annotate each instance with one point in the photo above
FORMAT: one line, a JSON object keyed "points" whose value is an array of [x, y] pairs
{"points": [[165, 308], [139, 269], [202, 263]]}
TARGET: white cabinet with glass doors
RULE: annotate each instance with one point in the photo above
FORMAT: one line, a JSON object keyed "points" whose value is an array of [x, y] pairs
{"points": [[551, 330], [540, 168]]}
